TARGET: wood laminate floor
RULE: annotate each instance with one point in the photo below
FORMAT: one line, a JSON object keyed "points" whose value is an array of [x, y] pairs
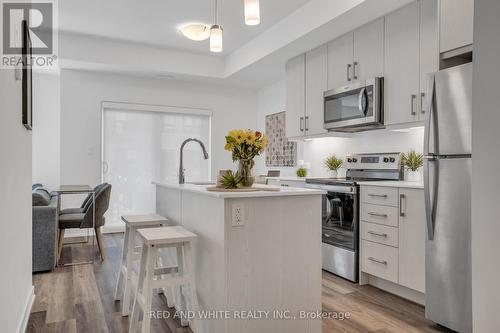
{"points": [[81, 299]]}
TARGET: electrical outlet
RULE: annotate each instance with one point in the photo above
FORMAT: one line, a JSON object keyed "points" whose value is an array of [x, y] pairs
{"points": [[238, 215]]}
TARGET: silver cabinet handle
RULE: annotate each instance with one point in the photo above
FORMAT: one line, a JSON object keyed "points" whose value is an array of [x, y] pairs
{"points": [[349, 72], [383, 262], [301, 122], [377, 214], [355, 65], [284, 184], [422, 103], [327, 235], [401, 198], [412, 109], [377, 234], [307, 123], [377, 195]]}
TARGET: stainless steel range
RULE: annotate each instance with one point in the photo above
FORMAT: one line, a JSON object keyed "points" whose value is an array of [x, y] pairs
{"points": [[340, 211]]}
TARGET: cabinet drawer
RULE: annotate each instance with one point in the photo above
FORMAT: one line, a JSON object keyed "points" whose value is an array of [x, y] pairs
{"points": [[379, 233], [380, 195], [379, 260], [379, 214], [286, 183]]}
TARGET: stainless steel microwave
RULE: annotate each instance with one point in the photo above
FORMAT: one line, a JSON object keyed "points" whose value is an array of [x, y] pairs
{"points": [[355, 107]]}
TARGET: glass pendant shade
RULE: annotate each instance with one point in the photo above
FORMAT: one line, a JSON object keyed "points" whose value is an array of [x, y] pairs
{"points": [[252, 12], [216, 38]]}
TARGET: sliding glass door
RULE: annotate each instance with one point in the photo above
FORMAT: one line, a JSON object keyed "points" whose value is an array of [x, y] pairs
{"points": [[143, 146]]}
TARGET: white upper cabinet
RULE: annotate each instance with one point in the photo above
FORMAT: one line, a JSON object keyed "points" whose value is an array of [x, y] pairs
{"points": [[295, 96], [402, 53], [429, 47], [456, 26], [368, 60], [358, 55], [316, 84], [340, 54], [412, 238]]}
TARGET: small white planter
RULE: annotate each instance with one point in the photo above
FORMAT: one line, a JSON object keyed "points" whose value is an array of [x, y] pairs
{"points": [[334, 173], [413, 176]]}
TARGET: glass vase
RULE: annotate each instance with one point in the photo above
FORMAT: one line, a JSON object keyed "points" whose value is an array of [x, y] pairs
{"points": [[245, 170]]}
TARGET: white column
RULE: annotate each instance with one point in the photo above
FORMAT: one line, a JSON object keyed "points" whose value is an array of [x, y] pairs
{"points": [[485, 175]]}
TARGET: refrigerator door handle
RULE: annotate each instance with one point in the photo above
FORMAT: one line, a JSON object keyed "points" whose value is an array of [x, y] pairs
{"points": [[430, 202], [430, 114]]}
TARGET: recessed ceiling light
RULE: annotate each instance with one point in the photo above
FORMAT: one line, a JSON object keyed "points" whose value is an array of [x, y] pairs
{"points": [[195, 31]]}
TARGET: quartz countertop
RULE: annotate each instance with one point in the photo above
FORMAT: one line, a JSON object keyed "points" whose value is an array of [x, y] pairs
{"points": [[202, 189], [390, 183]]}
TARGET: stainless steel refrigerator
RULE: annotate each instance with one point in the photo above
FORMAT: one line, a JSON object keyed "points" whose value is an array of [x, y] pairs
{"points": [[447, 182]]}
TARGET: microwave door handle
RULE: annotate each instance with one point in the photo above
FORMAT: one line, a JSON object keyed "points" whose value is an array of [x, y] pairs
{"points": [[361, 101]]}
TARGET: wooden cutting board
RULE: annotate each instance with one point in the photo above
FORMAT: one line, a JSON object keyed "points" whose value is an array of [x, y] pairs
{"points": [[244, 189]]}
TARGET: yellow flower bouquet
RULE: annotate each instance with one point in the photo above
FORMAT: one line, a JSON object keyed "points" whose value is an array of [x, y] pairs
{"points": [[244, 145]]}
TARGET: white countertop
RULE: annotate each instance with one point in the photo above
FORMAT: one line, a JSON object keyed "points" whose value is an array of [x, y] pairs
{"points": [[391, 183], [202, 189], [289, 178]]}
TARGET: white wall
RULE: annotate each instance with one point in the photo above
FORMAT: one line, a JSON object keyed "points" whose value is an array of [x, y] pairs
{"points": [[83, 92], [15, 207], [46, 129], [485, 166], [272, 99]]}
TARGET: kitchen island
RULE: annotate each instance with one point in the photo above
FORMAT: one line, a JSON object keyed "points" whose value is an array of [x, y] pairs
{"points": [[266, 260]]}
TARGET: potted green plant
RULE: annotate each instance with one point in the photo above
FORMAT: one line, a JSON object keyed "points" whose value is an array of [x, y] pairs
{"points": [[333, 164], [231, 180], [301, 172], [412, 162]]}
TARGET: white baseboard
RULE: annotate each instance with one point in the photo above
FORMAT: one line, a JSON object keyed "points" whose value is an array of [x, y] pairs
{"points": [[23, 325], [111, 229], [83, 232], [396, 289]]}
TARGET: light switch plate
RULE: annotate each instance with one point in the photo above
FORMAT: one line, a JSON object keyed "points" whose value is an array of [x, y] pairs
{"points": [[238, 215]]}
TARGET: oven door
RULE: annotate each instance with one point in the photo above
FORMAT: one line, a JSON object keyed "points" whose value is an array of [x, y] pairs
{"points": [[340, 220], [353, 105]]}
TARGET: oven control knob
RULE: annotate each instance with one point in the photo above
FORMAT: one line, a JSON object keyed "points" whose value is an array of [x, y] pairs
{"points": [[386, 160], [354, 160], [349, 160], [392, 159]]}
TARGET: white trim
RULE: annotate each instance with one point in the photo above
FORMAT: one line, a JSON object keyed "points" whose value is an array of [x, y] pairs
{"points": [[23, 325]]}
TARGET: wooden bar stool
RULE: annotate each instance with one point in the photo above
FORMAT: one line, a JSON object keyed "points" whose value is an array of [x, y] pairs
{"points": [[130, 253], [151, 277]]}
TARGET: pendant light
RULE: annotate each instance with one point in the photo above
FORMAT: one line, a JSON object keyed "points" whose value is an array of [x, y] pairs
{"points": [[252, 12], [216, 35]]}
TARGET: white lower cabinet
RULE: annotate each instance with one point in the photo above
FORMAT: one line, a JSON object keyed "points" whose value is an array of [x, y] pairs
{"points": [[379, 260], [392, 238], [412, 233]]}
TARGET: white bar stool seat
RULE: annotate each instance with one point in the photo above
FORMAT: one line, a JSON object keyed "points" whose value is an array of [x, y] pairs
{"points": [[130, 254], [151, 277]]}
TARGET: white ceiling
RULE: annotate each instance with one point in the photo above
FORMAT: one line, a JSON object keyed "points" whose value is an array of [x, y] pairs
{"points": [[155, 21]]}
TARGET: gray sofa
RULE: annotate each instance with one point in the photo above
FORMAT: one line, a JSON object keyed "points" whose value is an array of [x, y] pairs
{"points": [[45, 217]]}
